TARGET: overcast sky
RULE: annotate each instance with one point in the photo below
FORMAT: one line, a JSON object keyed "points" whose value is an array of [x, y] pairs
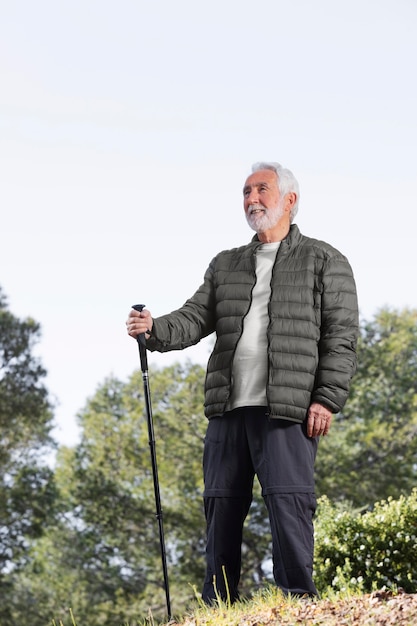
{"points": [[127, 130]]}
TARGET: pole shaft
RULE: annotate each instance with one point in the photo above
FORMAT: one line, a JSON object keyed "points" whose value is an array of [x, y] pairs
{"points": [[151, 437]]}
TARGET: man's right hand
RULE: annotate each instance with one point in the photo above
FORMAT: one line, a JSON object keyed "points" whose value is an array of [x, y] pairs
{"points": [[139, 322]]}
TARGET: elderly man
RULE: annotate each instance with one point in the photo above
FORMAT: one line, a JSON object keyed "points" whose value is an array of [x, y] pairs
{"points": [[284, 310]]}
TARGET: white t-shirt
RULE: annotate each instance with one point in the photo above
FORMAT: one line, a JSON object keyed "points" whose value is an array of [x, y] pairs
{"points": [[250, 364]]}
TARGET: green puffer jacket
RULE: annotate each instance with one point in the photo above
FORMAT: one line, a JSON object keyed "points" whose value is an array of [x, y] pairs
{"points": [[312, 332]]}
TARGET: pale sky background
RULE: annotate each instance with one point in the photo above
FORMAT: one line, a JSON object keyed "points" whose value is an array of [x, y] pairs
{"points": [[127, 130]]}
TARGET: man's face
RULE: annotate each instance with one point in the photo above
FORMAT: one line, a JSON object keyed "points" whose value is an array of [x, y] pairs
{"points": [[262, 201]]}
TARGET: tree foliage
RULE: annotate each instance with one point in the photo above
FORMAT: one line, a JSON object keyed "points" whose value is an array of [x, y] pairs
{"points": [[108, 485], [26, 484], [371, 452]]}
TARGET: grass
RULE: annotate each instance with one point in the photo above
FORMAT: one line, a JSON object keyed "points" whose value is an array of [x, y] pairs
{"points": [[272, 608], [223, 613], [60, 623]]}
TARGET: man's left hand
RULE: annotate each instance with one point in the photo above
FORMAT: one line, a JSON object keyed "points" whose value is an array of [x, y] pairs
{"points": [[319, 419]]}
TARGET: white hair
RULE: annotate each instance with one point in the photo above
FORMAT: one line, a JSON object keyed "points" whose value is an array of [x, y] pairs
{"points": [[286, 181]]}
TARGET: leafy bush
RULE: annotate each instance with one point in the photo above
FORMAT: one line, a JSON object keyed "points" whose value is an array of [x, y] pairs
{"points": [[364, 551]]}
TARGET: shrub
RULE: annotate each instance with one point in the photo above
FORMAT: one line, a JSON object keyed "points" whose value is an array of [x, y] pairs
{"points": [[365, 551]]}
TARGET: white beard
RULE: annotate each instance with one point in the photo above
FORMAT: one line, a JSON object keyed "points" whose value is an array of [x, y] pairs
{"points": [[266, 218]]}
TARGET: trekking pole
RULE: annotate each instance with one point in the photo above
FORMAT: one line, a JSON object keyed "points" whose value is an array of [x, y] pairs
{"points": [[145, 377]]}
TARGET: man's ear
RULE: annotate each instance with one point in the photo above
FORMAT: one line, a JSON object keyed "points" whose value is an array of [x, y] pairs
{"points": [[290, 200]]}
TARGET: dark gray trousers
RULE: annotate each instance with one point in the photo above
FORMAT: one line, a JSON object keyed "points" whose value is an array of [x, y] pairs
{"points": [[239, 445]]}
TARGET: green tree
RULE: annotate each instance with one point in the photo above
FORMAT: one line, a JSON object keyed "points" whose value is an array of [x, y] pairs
{"points": [[106, 483], [26, 483], [371, 451]]}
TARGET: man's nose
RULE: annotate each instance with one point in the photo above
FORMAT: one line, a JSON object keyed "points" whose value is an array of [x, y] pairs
{"points": [[253, 197]]}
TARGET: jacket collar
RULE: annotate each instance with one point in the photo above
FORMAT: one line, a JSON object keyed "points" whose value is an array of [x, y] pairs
{"points": [[291, 239]]}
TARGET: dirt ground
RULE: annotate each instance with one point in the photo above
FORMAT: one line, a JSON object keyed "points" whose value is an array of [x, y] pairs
{"points": [[380, 607]]}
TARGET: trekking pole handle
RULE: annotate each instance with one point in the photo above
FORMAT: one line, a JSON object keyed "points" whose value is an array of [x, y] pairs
{"points": [[141, 341]]}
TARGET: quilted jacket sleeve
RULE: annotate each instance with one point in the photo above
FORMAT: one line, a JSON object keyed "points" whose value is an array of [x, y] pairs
{"points": [[339, 333], [189, 324]]}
